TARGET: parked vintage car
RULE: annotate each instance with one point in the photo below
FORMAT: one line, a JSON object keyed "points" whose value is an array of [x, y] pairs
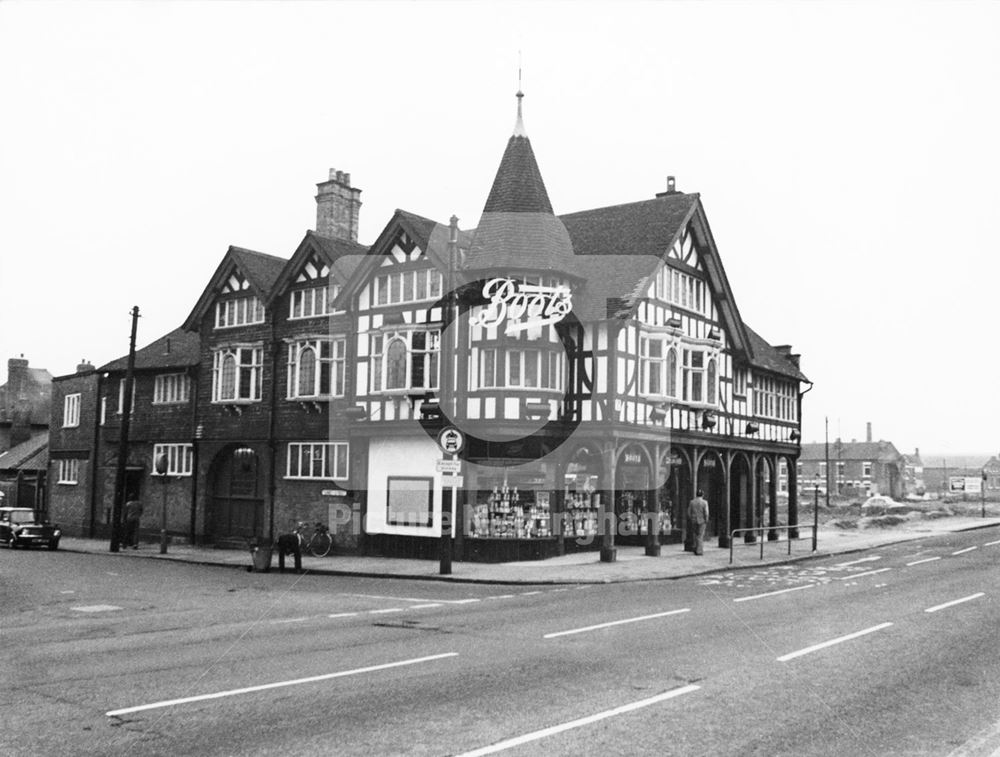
{"points": [[20, 528]]}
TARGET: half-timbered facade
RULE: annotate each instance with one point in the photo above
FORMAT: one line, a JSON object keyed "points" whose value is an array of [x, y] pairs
{"points": [[595, 364]]}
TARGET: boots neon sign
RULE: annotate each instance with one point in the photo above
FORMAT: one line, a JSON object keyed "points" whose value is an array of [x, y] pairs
{"points": [[512, 300]]}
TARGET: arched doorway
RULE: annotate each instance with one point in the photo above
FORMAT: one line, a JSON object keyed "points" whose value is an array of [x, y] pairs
{"points": [[633, 483], [675, 492], [711, 480], [236, 507], [740, 505]]}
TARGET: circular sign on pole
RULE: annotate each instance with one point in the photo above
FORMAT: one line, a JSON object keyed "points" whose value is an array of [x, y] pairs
{"points": [[451, 440]]}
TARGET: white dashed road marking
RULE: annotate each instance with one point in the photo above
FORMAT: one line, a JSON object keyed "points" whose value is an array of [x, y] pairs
{"points": [[615, 623], [535, 735], [963, 551], [279, 684], [96, 608], [773, 593], [860, 575], [831, 642], [956, 602], [855, 562], [919, 562]]}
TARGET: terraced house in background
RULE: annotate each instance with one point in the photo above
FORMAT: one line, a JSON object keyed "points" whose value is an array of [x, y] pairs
{"points": [[312, 387]]}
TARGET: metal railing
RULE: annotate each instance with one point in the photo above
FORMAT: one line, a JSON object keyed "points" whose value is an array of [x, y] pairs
{"points": [[760, 530]]}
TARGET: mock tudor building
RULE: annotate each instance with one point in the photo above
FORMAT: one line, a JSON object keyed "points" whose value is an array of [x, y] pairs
{"points": [[593, 369]]}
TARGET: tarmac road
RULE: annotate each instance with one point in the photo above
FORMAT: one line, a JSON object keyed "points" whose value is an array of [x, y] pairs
{"points": [[882, 652]]}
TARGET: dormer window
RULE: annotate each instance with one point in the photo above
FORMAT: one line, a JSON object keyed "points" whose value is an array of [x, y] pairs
{"points": [[407, 286], [681, 290], [241, 311], [312, 302]]}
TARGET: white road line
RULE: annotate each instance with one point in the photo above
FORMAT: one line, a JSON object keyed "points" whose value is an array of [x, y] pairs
{"points": [[413, 599], [919, 562], [855, 562], [963, 551], [825, 644], [535, 735], [426, 607], [96, 608], [773, 593], [991, 543], [615, 623], [859, 575], [342, 615], [956, 602], [383, 612], [529, 593], [290, 620], [502, 596], [279, 684]]}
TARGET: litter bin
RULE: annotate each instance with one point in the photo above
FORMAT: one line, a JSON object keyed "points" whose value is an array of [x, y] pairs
{"points": [[260, 554]]}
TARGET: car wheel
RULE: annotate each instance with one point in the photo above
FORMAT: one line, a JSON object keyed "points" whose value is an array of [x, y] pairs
{"points": [[12, 543], [54, 544]]}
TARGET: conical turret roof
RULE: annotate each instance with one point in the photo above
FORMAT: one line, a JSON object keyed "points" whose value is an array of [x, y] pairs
{"points": [[518, 230]]}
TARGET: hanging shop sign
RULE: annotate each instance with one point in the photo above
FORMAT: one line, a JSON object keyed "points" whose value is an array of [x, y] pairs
{"points": [[632, 458], [512, 300]]}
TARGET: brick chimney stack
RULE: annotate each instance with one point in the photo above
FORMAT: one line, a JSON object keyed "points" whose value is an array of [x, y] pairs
{"points": [[338, 207], [869, 430], [84, 366], [17, 400]]}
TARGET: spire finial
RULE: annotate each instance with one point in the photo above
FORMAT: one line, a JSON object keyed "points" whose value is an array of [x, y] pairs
{"points": [[519, 124]]}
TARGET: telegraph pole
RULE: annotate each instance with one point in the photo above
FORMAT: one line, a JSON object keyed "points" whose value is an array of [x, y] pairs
{"points": [[119, 501]]}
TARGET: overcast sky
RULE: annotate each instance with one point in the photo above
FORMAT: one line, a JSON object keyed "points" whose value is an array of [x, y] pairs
{"points": [[846, 154]]}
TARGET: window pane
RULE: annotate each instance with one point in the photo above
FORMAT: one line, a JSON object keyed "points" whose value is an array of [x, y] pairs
{"points": [[531, 368], [408, 279], [488, 375], [382, 290], [395, 370], [228, 387], [395, 280], [514, 368], [307, 372]]}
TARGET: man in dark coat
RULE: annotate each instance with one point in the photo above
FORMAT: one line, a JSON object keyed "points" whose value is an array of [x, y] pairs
{"points": [[698, 517], [133, 514]]}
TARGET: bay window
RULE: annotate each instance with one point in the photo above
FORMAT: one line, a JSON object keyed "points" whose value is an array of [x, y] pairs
{"points": [[237, 374], [316, 368], [658, 366], [521, 369], [405, 360]]}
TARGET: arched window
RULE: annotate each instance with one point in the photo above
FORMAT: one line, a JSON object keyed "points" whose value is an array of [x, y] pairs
{"points": [[395, 364], [710, 389], [307, 372], [672, 372], [228, 386]]}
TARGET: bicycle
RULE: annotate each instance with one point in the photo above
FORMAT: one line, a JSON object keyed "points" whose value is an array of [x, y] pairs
{"points": [[319, 544]]}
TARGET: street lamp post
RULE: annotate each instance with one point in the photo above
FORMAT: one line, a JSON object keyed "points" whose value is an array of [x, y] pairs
{"points": [[161, 470], [815, 512]]}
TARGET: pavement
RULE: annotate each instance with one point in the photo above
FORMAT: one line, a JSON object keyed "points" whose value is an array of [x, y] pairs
{"points": [[580, 568]]}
